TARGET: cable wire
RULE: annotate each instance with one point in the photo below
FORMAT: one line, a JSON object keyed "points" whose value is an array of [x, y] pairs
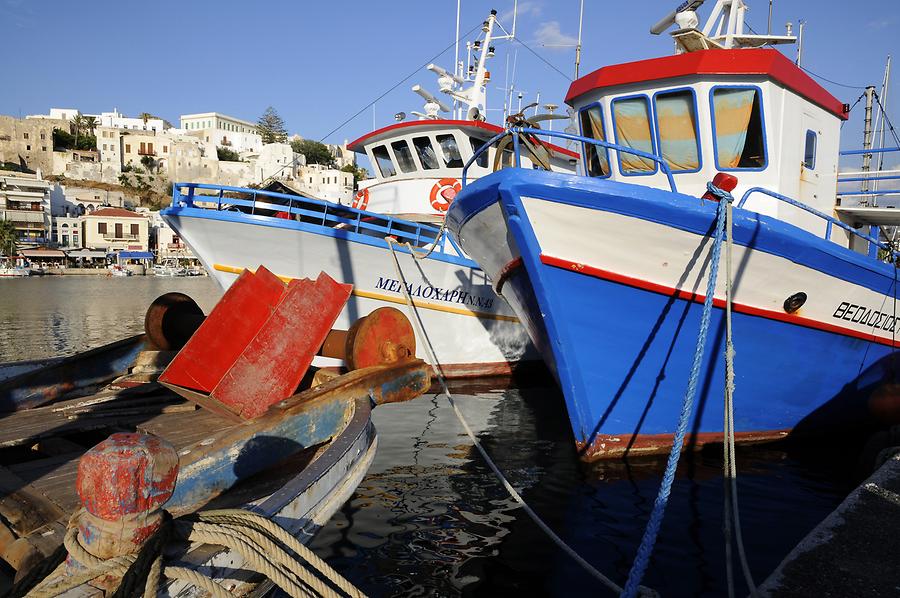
{"points": [[398, 84], [830, 81], [542, 59]]}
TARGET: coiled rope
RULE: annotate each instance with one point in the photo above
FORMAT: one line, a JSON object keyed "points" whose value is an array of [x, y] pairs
{"points": [[648, 541], [417, 322], [263, 544]]}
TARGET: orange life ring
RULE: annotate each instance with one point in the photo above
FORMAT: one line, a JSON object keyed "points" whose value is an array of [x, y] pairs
{"points": [[361, 199], [443, 193]]}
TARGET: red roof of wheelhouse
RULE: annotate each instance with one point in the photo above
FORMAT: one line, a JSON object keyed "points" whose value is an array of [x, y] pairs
{"points": [[767, 62]]}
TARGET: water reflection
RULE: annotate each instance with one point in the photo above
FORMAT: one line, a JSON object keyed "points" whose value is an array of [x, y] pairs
{"points": [[50, 316], [430, 519]]}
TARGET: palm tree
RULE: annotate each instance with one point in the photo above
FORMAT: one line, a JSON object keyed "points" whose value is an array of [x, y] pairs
{"points": [[90, 123], [78, 124], [7, 237], [145, 116]]}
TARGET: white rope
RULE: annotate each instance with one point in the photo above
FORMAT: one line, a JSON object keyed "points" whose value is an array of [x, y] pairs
{"points": [[414, 315], [731, 512]]}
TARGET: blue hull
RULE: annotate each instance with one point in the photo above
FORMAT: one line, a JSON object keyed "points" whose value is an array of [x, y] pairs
{"points": [[622, 354]]}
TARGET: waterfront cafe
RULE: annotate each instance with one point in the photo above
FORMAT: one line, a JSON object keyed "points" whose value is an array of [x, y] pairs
{"points": [[43, 257], [87, 258]]}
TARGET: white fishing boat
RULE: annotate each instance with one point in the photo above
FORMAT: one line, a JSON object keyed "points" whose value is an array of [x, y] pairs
{"points": [[169, 267], [9, 269], [418, 167]]}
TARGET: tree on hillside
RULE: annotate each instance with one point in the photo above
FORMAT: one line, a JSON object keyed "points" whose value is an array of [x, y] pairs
{"points": [[270, 127], [315, 152], [359, 173], [7, 238], [227, 155], [90, 123]]}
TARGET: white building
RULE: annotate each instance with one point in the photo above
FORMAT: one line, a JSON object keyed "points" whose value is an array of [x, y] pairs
{"points": [[114, 119], [25, 202], [67, 232], [327, 183], [225, 131], [165, 241]]}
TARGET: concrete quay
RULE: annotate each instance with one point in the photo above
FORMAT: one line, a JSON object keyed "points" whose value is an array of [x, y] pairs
{"points": [[855, 551]]}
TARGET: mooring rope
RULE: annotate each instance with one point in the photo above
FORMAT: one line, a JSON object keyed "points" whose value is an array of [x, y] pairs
{"points": [[729, 465], [261, 542], [414, 316], [648, 541]]}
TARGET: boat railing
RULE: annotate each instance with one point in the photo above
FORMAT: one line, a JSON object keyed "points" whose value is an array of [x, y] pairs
{"points": [[259, 203], [830, 221], [864, 177], [517, 132]]}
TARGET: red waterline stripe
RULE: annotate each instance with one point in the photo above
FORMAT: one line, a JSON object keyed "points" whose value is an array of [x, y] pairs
{"points": [[698, 298], [507, 271]]}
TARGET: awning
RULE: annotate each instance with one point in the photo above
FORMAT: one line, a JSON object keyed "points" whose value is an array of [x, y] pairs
{"points": [[87, 253], [36, 254], [134, 255]]}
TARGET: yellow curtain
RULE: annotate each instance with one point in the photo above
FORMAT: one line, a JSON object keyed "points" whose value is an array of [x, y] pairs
{"points": [[678, 130], [632, 118], [733, 108], [597, 157]]}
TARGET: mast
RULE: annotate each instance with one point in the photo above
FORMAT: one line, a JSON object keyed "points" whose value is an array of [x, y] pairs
{"points": [[578, 46], [867, 134], [456, 65], [800, 25], [881, 116]]}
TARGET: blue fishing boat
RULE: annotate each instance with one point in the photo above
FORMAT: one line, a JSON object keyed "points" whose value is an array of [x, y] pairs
{"points": [[610, 270]]}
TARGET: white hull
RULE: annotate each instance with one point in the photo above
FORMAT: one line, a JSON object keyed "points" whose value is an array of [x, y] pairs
{"points": [[472, 331]]}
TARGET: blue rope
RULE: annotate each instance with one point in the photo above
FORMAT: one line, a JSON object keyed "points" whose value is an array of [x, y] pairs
{"points": [[639, 567]]}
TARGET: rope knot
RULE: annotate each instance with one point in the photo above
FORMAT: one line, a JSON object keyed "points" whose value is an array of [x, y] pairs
{"points": [[719, 194]]}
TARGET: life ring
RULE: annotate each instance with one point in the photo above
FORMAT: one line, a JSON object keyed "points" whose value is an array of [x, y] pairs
{"points": [[361, 199], [443, 193]]}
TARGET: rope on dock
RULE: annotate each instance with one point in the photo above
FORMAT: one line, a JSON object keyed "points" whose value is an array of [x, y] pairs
{"points": [[262, 543], [417, 322]]}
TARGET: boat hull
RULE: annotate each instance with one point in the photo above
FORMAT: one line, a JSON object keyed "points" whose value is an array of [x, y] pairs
{"points": [[473, 332], [608, 279]]}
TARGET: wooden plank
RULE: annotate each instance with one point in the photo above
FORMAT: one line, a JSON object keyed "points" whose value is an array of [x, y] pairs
{"points": [[24, 506]]}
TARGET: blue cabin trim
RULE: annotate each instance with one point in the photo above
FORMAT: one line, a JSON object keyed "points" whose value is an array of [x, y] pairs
{"points": [[654, 149], [696, 127]]}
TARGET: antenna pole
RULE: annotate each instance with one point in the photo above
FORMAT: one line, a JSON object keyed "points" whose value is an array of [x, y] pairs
{"points": [[800, 25], [879, 120], [867, 134], [515, 15], [456, 59], [578, 46], [769, 32]]}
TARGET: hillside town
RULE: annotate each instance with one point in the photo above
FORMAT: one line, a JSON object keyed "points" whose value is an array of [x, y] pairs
{"points": [[82, 192]]}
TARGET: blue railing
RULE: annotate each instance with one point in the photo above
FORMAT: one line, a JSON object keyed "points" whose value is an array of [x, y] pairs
{"points": [[830, 221], [874, 175], [314, 211], [516, 132]]}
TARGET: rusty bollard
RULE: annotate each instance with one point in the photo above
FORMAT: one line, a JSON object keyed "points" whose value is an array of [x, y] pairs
{"points": [[123, 483]]}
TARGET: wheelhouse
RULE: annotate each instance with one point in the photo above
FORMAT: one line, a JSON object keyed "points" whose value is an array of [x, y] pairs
{"points": [[748, 112], [415, 163]]}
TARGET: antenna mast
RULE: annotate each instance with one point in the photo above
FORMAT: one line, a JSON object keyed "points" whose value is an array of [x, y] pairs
{"points": [[578, 46], [867, 134]]}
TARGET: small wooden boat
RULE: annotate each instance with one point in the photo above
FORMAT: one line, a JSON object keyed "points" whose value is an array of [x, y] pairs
{"points": [[296, 463]]}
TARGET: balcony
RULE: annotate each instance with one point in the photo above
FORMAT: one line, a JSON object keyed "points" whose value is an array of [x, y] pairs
{"points": [[25, 216], [176, 246], [146, 152], [120, 237]]}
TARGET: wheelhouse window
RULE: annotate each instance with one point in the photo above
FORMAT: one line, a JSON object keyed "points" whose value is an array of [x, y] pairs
{"points": [[404, 156], [676, 126], [383, 160], [426, 154], [631, 121], [450, 151], [809, 151], [738, 128], [477, 145], [596, 157]]}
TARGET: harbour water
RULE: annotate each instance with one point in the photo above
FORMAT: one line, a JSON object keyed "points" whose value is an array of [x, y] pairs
{"points": [[430, 519]]}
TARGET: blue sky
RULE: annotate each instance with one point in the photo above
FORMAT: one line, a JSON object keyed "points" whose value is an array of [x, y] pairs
{"points": [[318, 63]]}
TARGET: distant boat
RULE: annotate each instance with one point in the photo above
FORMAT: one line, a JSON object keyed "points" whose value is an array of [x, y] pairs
{"points": [[9, 270], [169, 267]]}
